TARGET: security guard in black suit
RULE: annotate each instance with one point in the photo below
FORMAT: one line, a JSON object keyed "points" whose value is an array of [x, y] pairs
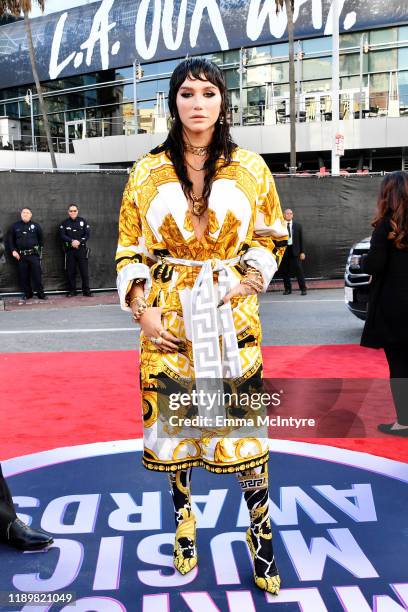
{"points": [[26, 243], [13, 531], [294, 255], [74, 233]]}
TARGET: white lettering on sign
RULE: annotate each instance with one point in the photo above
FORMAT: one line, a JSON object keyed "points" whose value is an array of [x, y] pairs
{"points": [[99, 33], [144, 50], [161, 15], [55, 68], [353, 600], [70, 559], [310, 561], [26, 502], [256, 19], [167, 24], [148, 513], [215, 18], [86, 510], [361, 510]]}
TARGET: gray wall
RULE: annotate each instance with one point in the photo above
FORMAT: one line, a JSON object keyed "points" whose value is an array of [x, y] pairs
{"points": [[335, 212]]}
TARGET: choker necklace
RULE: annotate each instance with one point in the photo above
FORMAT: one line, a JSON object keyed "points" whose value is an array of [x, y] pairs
{"points": [[200, 151], [198, 205]]}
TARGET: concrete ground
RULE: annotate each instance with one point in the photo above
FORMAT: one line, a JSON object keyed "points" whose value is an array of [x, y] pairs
{"points": [[98, 323]]}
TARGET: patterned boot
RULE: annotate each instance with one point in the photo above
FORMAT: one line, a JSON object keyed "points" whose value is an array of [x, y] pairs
{"points": [[254, 484], [185, 551]]}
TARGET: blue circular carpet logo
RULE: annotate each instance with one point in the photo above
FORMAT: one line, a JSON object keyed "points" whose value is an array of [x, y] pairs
{"points": [[340, 533]]}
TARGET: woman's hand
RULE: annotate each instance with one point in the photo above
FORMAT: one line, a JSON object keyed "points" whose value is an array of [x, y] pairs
{"points": [[152, 327], [238, 290]]}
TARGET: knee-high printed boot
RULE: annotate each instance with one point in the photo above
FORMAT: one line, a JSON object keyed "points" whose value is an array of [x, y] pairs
{"points": [[185, 551], [254, 485]]}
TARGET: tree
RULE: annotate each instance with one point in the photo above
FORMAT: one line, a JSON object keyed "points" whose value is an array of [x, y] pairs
{"points": [[289, 5], [16, 7]]}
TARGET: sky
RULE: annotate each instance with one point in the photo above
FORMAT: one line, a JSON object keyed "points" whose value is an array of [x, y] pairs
{"points": [[53, 6]]}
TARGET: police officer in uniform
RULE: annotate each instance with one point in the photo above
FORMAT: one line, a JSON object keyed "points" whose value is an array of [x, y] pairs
{"points": [[74, 233], [12, 530], [26, 242]]}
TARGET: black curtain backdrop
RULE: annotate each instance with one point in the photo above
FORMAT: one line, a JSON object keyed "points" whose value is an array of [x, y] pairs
{"points": [[334, 212]]}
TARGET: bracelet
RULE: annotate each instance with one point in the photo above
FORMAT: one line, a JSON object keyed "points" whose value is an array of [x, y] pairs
{"points": [[250, 272], [254, 284], [141, 306], [138, 281]]}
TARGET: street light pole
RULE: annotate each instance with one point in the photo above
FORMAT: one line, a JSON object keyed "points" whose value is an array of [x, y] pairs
{"points": [[29, 100], [241, 70], [136, 76], [362, 43], [335, 158]]}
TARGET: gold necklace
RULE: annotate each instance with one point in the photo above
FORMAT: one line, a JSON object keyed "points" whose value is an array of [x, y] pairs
{"points": [[198, 204], [200, 151], [192, 167]]}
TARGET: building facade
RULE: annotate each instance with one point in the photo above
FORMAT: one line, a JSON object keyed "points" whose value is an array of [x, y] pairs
{"points": [[105, 69]]}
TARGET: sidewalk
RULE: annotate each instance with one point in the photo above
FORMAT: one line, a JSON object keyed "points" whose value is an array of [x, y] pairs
{"points": [[104, 298]]}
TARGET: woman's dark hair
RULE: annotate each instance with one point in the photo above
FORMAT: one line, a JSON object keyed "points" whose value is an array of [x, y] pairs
{"points": [[221, 144], [393, 203]]}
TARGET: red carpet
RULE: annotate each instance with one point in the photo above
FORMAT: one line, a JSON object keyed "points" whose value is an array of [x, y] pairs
{"points": [[62, 399]]}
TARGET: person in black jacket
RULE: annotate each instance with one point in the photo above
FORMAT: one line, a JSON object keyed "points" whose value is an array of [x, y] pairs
{"points": [[12, 530], [387, 318], [26, 243], [294, 255], [74, 233]]}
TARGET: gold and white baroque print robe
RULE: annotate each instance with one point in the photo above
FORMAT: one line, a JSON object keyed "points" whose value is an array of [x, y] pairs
{"points": [[246, 226]]}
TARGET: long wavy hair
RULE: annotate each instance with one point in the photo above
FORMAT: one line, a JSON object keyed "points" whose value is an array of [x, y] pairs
{"points": [[393, 203], [221, 146]]}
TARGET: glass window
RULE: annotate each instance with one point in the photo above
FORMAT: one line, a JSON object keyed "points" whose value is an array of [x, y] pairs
{"points": [[379, 85], [12, 109], [382, 60], [403, 33], [350, 63], [166, 67], [124, 73], [316, 68], [317, 45], [232, 78], [217, 58], [352, 82], [321, 85], [403, 89], [387, 35], [280, 72], [402, 58], [259, 75], [146, 90], [231, 57], [74, 115], [234, 97], [351, 39], [259, 54], [280, 50]]}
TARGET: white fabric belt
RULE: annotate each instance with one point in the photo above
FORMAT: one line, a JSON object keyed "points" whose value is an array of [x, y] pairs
{"points": [[209, 322]]}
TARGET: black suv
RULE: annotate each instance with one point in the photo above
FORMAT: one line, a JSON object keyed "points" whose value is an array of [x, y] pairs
{"points": [[356, 283]]}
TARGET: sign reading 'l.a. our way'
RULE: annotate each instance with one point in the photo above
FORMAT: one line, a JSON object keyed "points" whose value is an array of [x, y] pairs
{"points": [[112, 33]]}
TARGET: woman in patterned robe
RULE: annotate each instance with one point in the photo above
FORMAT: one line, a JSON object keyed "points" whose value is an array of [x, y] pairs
{"points": [[201, 232]]}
